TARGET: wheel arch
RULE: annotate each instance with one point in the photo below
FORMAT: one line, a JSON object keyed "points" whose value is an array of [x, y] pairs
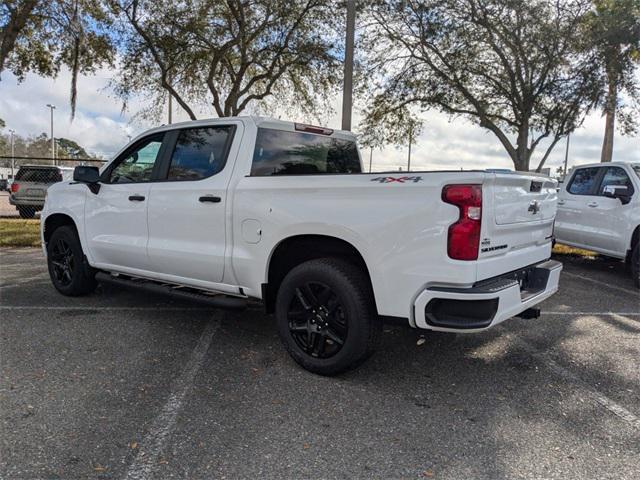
{"points": [[55, 221], [297, 249], [635, 239]]}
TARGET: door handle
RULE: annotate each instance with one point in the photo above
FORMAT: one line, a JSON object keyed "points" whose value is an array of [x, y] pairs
{"points": [[136, 198], [560, 202], [592, 204], [210, 199]]}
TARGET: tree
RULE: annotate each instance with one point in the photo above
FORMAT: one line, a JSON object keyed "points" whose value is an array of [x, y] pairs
{"points": [[614, 33], [70, 149], [512, 67], [396, 127], [230, 54], [40, 146], [43, 35]]}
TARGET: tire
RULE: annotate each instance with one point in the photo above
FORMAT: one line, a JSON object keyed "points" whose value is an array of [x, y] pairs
{"points": [[68, 269], [635, 265], [27, 212], [326, 316]]}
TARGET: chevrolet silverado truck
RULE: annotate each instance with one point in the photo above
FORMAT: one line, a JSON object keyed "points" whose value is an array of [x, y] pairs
{"points": [[228, 209], [599, 210]]}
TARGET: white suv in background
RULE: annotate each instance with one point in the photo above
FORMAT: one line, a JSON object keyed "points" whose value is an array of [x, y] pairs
{"points": [[599, 210]]}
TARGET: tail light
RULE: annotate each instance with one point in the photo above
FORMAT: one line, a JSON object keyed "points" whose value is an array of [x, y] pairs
{"points": [[15, 187], [464, 235]]}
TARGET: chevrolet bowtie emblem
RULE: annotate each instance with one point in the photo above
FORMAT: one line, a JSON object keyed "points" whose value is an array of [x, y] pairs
{"points": [[534, 207]]}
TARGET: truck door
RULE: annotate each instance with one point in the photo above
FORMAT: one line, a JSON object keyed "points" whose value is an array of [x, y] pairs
{"points": [[116, 216], [605, 222], [187, 209], [574, 203]]}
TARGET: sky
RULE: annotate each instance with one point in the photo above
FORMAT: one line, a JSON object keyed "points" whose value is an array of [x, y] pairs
{"points": [[102, 128]]}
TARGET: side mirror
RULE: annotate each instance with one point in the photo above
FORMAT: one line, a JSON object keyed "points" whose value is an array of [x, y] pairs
{"points": [[620, 192], [88, 175]]}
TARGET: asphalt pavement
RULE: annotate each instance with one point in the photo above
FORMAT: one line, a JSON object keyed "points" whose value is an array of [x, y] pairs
{"points": [[124, 384]]}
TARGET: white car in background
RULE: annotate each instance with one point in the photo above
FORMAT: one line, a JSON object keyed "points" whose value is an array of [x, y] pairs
{"points": [[599, 210]]}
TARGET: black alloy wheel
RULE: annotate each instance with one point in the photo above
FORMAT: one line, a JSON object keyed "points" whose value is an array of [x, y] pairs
{"points": [[326, 315], [62, 262], [69, 272], [317, 320]]}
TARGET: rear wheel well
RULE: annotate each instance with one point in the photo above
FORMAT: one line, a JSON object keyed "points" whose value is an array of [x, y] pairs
{"points": [[55, 221], [293, 251]]}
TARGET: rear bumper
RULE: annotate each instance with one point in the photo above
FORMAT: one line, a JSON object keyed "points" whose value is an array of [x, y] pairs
{"points": [[26, 201], [487, 303]]}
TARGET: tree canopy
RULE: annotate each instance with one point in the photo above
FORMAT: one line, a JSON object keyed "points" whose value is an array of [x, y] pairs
{"points": [[231, 54], [41, 36], [40, 146], [512, 67], [613, 31]]}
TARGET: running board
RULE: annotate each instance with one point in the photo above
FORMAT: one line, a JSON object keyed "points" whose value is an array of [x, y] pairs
{"points": [[218, 300]]}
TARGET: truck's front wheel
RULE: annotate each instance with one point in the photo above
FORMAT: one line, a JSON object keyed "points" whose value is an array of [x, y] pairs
{"points": [[326, 316], [67, 268]]}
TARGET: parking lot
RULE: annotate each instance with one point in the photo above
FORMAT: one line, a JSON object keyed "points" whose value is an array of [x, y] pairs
{"points": [[123, 384], [6, 209]]}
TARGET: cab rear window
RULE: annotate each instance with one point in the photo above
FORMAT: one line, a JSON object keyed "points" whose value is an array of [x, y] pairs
{"points": [[40, 175], [280, 152]]}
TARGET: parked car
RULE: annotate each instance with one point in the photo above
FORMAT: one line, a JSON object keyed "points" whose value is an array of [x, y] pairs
{"points": [[4, 185], [599, 210], [234, 208], [29, 189]]}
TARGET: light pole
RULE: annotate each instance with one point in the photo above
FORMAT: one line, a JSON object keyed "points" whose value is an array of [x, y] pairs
{"points": [[347, 91], [410, 140], [370, 158], [13, 151], [53, 144], [566, 159]]}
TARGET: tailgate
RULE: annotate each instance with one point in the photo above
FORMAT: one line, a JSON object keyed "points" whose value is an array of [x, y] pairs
{"points": [[517, 225], [523, 198]]}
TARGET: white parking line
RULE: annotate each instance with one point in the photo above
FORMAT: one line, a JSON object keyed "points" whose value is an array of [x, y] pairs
{"points": [[146, 462], [604, 284], [596, 396], [625, 314]]}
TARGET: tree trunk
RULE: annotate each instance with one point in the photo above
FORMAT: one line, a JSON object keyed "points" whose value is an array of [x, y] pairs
{"points": [[610, 113], [521, 161]]}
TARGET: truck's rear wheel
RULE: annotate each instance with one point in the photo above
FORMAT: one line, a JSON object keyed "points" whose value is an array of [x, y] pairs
{"points": [[635, 265], [27, 212], [67, 268], [326, 316]]}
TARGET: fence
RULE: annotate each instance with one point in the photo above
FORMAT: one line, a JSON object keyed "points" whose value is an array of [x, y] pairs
{"points": [[27, 180], [8, 163]]}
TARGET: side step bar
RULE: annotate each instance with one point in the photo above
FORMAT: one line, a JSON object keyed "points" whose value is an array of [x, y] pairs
{"points": [[218, 300]]}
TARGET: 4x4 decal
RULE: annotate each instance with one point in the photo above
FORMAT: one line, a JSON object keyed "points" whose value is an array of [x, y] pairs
{"points": [[396, 179]]}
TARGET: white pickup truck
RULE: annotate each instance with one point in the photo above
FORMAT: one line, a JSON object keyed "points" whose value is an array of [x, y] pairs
{"points": [[599, 210], [227, 209]]}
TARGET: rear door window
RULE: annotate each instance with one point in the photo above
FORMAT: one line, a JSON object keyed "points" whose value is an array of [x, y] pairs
{"points": [[279, 152], [584, 181], [200, 152]]}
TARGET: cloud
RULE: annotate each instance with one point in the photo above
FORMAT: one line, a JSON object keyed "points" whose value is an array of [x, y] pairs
{"points": [[102, 128]]}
